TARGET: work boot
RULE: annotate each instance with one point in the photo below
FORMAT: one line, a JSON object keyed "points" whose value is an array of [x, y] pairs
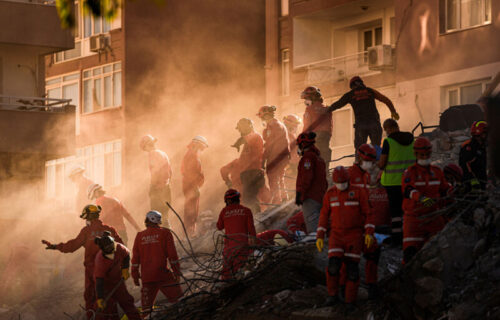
{"points": [[331, 301], [372, 291], [342, 293]]}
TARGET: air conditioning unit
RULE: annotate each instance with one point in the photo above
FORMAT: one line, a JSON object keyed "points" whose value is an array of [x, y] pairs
{"points": [[98, 42], [380, 57]]}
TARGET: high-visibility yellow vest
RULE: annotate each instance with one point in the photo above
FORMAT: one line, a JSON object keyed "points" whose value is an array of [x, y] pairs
{"points": [[399, 159]]}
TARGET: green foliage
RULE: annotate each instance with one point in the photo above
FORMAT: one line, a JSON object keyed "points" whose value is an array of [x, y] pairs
{"points": [[98, 8]]}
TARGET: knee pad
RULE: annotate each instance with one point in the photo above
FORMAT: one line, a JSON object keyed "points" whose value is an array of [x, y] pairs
{"points": [[352, 271], [334, 264], [373, 256], [408, 253]]}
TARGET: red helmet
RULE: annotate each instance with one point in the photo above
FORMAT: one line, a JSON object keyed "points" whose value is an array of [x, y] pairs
{"points": [[340, 174], [367, 152], [231, 194], [478, 128], [422, 145], [292, 120], [266, 110], [354, 80], [306, 139], [454, 171], [311, 93]]}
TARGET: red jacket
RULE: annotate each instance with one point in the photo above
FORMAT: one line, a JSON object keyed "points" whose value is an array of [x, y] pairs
{"points": [[159, 166], [421, 181], [113, 213], [317, 118], [380, 206], [231, 172], [345, 211], [358, 177], [111, 269], [153, 247], [266, 238], [276, 145], [253, 152], [311, 176], [86, 239], [296, 223], [192, 175], [237, 221]]}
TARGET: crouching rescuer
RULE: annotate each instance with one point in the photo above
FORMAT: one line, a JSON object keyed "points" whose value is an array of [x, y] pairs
{"points": [[346, 213]]}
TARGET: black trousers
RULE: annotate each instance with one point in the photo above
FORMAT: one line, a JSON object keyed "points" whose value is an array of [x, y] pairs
{"points": [[252, 181], [395, 197], [364, 130]]}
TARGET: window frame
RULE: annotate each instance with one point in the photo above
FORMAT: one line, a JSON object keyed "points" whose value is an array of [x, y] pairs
{"points": [[101, 76], [444, 24], [458, 87], [364, 60]]}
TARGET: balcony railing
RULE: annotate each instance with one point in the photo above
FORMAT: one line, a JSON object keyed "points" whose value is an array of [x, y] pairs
{"points": [[14, 103], [46, 2]]}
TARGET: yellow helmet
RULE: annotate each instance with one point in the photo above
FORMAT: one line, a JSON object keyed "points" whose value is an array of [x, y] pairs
{"points": [[91, 211]]}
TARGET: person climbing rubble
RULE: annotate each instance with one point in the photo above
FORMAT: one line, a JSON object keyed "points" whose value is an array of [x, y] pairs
{"points": [[397, 155], [113, 211], [77, 176], [237, 222], [276, 153], [192, 180], [317, 119], [94, 227], [153, 249], [346, 213], [250, 163], [111, 271], [366, 116], [473, 157], [311, 180], [423, 186], [161, 174]]}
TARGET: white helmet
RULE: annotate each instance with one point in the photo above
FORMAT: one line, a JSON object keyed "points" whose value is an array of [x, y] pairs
{"points": [[154, 217], [76, 170], [92, 189], [202, 140], [147, 139]]}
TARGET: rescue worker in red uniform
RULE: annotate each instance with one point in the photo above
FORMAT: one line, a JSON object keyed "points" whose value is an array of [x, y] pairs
{"points": [[311, 180], [292, 123], [85, 239], [346, 213], [77, 176], [473, 157], [423, 185], [161, 173], [192, 181], [153, 248], [268, 237], [296, 223], [237, 222], [276, 153], [250, 163], [318, 120], [112, 212], [366, 116], [111, 272]]}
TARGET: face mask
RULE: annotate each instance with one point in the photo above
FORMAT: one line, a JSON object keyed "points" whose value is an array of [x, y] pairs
{"points": [[342, 186], [308, 102], [87, 222], [300, 152], [424, 162], [367, 165], [110, 256]]}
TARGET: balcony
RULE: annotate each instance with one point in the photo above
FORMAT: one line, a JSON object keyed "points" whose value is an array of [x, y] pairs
{"points": [[37, 125]]}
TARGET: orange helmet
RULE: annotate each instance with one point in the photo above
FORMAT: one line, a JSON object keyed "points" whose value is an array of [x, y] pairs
{"points": [[266, 110], [478, 128], [340, 174], [367, 152], [422, 145], [305, 139], [292, 120], [454, 171], [311, 93], [231, 194]]}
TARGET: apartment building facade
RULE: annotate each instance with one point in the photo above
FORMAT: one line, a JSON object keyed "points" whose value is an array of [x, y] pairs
{"points": [[423, 55]]}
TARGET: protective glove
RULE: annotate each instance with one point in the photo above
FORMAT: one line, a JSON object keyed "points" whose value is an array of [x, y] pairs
{"points": [[475, 184], [125, 274], [320, 244], [395, 116], [369, 240], [50, 246], [427, 202], [101, 304], [238, 143], [298, 199]]}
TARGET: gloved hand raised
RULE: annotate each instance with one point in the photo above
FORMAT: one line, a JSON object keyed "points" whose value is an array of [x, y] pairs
{"points": [[101, 304], [238, 143], [50, 246], [427, 202], [395, 116], [320, 243]]}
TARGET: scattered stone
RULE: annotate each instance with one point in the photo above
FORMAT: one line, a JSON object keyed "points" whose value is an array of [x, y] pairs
{"points": [[479, 248], [430, 291], [434, 265]]}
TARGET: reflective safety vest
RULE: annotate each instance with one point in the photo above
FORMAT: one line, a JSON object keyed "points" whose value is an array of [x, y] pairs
{"points": [[399, 159]]}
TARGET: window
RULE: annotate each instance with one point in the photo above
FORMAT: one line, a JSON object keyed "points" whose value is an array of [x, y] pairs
{"points": [[102, 87], [103, 163], [284, 7], [370, 37], [463, 14], [285, 72], [466, 93], [66, 87]]}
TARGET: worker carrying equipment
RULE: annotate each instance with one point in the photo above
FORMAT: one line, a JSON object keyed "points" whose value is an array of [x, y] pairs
{"points": [[85, 239]]}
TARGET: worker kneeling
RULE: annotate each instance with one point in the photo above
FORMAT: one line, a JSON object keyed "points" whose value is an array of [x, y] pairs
{"points": [[346, 213], [237, 221], [110, 272]]}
